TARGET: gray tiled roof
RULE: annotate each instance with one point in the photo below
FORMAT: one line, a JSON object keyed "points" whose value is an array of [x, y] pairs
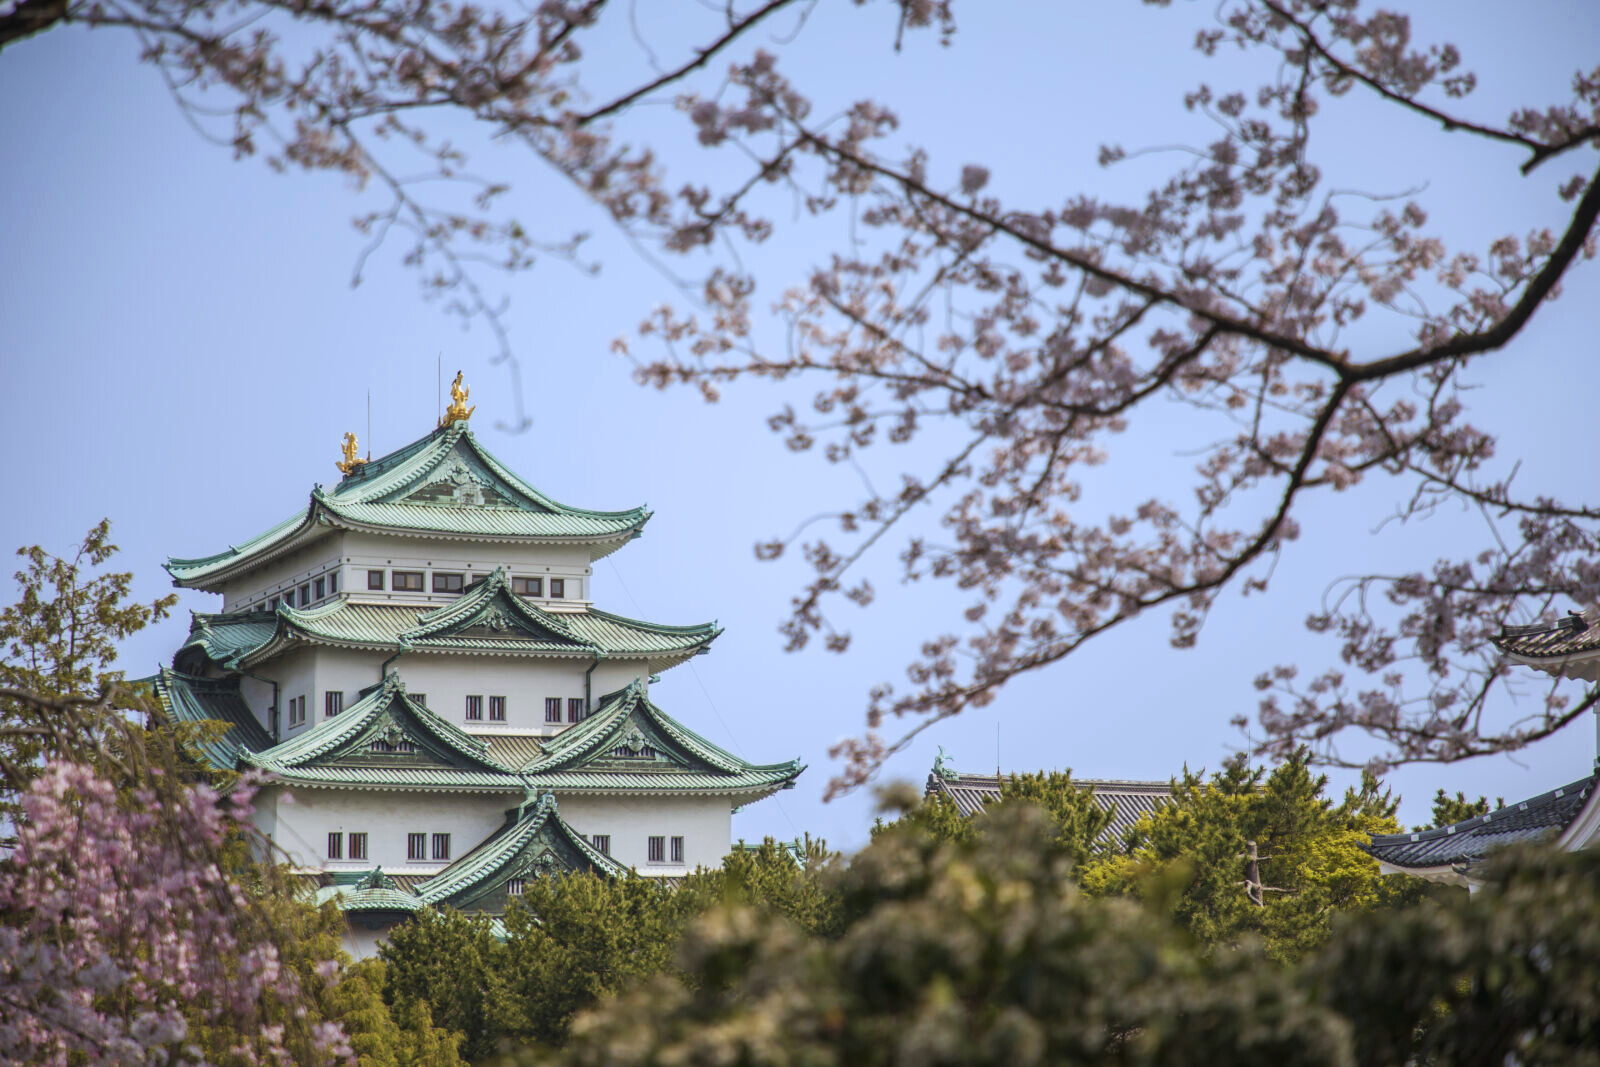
{"points": [[1126, 800], [1569, 646], [1465, 843]]}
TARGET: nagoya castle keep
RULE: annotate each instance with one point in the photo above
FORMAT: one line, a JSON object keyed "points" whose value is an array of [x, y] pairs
{"points": [[415, 659]]}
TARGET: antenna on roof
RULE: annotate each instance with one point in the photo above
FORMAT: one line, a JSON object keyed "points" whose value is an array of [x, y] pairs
{"points": [[438, 387], [369, 423], [997, 748]]}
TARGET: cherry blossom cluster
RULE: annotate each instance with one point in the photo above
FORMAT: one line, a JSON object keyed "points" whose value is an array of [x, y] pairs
{"points": [[124, 931]]}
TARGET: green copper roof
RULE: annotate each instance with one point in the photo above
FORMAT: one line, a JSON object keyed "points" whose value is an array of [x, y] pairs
{"points": [[630, 745], [535, 842], [373, 891], [443, 485], [188, 699], [487, 619], [366, 745]]}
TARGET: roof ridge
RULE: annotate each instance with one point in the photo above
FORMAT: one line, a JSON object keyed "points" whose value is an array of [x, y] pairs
{"points": [[659, 627], [614, 709], [1487, 818], [534, 493]]}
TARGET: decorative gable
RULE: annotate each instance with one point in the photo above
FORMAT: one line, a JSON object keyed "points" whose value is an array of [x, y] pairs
{"points": [[536, 842], [460, 483], [385, 736], [489, 609]]}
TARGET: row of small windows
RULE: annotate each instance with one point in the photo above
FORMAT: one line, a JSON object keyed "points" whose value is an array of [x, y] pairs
{"points": [[333, 704], [657, 850], [320, 588], [424, 846], [308, 593], [454, 582], [357, 846]]}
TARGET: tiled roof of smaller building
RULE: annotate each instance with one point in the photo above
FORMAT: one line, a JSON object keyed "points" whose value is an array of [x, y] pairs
{"points": [[1127, 800], [1466, 843], [1570, 646], [445, 484]]}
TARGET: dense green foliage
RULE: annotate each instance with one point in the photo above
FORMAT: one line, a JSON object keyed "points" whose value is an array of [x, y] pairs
{"points": [[1309, 865], [571, 941], [982, 951], [1079, 821]]}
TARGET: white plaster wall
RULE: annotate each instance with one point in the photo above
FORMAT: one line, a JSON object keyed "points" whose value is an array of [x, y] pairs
{"points": [[304, 822], [704, 823], [295, 673], [353, 553], [446, 680], [284, 573], [362, 552]]}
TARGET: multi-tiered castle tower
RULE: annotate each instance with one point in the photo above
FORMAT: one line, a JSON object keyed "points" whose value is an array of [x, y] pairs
{"points": [[415, 659]]}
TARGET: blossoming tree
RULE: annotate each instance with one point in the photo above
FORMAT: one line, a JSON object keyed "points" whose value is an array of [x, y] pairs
{"points": [[1323, 337]]}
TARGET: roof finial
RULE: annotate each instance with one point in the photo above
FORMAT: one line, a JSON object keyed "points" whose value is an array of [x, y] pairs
{"points": [[458, 410], [351, 461]]}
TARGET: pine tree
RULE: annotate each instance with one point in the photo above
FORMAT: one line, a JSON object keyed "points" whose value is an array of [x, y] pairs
{"points": [[1258, 853]]}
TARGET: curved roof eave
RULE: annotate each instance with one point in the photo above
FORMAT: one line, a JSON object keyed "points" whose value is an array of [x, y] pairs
{"points": [[374, 483]]}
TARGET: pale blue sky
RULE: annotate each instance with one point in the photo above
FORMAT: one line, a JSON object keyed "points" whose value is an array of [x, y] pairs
{"points": [[184, 351]]}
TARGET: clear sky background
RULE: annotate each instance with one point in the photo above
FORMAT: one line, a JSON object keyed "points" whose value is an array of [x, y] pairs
{"points": [[182, 352]]}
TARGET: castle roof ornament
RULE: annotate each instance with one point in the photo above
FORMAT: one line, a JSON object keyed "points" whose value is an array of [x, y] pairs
{"points": [[351, 461], [458, 410]]}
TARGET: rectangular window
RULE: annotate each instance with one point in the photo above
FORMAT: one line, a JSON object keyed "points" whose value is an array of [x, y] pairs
{"points": [[416, 846], [497, 709], [601, 843], [677, 850], [272, 605], [552, 709], [419, 698], [305, 594], [297, 710], [358, 846], [446, 583], [558, 587], [374, 579], [574, 709], [336, 846], [320, 587], [332, 703], [475, 707], [528, 586], [514, 887], [441, 846], [658, 850], [333, 581], [407, 581]]}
